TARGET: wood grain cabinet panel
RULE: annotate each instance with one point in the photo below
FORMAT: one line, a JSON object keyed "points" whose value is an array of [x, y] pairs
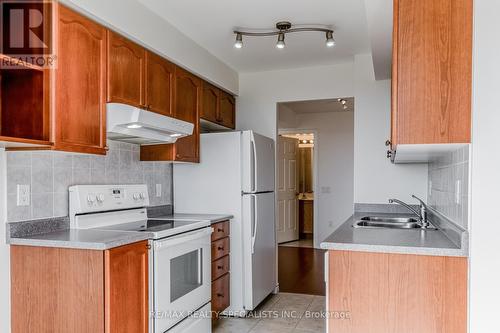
{"points": [[210, 109], [227, 110], [221, 293], [79, 291], [432, 71], [126, 288], [220, 248], [126, 71], [56, 290], [159, 84], [80, 84], [221, 230], [397, 293], [187, 107]]}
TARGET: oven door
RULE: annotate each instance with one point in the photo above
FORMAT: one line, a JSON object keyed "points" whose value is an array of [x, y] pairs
{"points": [[181, 277]]}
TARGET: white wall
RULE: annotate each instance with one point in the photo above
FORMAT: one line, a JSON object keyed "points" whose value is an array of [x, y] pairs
{"points": [[375, 178], [4, 252], [485, 224], [145, 27], [259, 92], [334, 146]]}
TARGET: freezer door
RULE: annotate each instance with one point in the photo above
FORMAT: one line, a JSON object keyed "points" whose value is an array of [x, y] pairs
{"points": [[257, 163], [259, 255]]}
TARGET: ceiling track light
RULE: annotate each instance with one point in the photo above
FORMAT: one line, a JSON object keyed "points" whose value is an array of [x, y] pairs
{"points": [[283, 28], [239, 41]]}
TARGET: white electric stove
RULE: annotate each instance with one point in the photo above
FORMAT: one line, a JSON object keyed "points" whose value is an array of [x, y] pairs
{"points": [[179, 255]]}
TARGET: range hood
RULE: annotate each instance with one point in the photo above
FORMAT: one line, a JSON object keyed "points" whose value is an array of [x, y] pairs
{"points": [[134, 125]]}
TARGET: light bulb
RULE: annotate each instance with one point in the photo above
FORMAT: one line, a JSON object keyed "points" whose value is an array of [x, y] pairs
{"points": [[239, 41], [330, 42], [281, 41]]}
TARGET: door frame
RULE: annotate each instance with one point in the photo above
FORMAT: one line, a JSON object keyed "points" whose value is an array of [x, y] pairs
{"points": [[316, 241]]}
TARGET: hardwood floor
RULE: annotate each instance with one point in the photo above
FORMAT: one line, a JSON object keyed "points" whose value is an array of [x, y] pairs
{"points": [[301, 270]]}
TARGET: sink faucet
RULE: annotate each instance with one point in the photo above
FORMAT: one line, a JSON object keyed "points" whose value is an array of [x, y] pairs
{"points": [[422, 214]]}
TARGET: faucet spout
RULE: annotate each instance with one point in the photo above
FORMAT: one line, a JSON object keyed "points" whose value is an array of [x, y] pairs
{"points": [[410, 208]]}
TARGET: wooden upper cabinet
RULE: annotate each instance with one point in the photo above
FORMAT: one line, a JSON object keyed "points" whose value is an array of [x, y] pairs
{"points": [[210, 107], [80, 85], [159, 84], [227, 110], [126, 288], [432, 71], [187, 104], [126, 71]]}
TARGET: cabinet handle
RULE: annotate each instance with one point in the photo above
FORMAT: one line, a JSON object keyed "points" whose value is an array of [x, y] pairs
{"points": [[178, 155], [220, 295], [388, 143], [220, 230], [220, 248], [220, 267], [389, 154], [148, 246]]}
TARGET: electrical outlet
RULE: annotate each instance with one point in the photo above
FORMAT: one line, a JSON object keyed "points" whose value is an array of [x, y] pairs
{"points": [[158, 190], [23, 195], [458, 193]]}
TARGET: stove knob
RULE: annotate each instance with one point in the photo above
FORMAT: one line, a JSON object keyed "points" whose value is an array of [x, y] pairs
{"points": [[100, 198], [135, 196], [143, 195], [90, 199]]}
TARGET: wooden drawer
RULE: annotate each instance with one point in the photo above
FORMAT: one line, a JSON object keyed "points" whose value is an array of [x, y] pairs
{"points": [[221, 230], [220, 267], [220, 293], [220, 248]]}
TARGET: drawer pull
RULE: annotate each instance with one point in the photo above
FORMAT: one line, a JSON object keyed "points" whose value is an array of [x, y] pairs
{"points": [[220, 267], [220, 230], [220, 295], [220, 248]]}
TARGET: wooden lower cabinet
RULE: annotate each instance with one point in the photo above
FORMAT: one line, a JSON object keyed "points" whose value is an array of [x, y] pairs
{"points": [[79, 291], [381, 292], [220, 268]]}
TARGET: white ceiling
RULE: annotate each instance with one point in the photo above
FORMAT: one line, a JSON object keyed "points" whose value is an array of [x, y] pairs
{"points": [[320, 106], [211, 24]]}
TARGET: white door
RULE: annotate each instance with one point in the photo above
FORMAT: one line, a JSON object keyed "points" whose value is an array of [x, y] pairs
{"points": [[288, 224]]}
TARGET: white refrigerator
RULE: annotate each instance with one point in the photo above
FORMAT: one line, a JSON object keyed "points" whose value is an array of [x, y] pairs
{"points": [[236, 176]]}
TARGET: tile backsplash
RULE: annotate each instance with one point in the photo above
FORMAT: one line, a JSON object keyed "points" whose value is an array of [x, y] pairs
{"points": [[449, 185], [49, 174]]}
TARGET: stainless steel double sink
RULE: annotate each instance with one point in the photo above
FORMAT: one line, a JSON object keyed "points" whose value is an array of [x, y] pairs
{"points": [[390, 223]]}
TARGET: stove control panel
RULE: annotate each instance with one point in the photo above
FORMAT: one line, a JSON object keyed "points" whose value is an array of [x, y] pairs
{"points": [[98, 198]]}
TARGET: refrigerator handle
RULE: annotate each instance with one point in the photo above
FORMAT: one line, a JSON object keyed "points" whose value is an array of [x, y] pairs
{"points": [[255, 220], [254, 164]]}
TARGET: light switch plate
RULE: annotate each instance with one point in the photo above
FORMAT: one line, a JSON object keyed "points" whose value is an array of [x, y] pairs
{"points": [[23, 195], [158, 190]]}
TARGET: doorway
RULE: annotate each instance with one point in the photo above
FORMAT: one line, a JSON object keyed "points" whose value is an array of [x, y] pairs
{"points": [[296, 188], [315, 186]]}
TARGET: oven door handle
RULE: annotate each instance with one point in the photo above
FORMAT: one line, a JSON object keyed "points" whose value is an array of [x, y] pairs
{"points": [[183, 238]]}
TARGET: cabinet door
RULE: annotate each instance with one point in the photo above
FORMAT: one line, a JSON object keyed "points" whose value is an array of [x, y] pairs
{"points": [[210, 105], [432, 76], [126, 71], [80, 81], [159, 84], [227, 110], [126, 288], [187, 103]]}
